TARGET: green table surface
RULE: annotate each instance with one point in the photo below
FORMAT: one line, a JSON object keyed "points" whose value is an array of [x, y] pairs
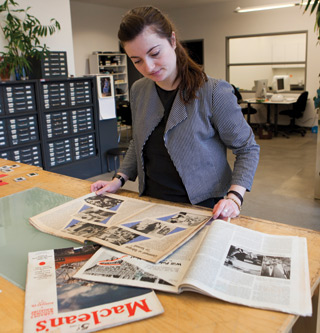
{"points": [[18, 237]]}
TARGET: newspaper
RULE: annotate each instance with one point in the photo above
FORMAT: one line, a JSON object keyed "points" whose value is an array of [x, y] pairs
{"points": [[146, 230], [225, 261], [57, 302]]}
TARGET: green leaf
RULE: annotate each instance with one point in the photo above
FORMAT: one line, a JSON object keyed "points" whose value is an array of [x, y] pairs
{"points": [[314, 6], [308, 4], [22, 33]]}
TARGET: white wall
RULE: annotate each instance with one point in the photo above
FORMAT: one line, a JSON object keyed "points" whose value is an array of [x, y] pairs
{"points": [[44, 10], [216, 21], [95, 28]]}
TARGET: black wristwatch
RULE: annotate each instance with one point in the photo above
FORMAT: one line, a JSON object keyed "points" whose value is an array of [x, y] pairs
{"points": [[120, 178]]}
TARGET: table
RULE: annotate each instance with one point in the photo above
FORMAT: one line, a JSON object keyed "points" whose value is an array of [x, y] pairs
{"points": [[187, 312], [269, 103]]}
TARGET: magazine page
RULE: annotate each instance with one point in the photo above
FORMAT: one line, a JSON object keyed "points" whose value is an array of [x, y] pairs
{"points": [[132, 226], [101, 210], [247, 267], [57, 302], [114, 267]]}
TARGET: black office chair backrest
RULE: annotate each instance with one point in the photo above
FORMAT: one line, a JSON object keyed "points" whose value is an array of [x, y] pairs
{"points": [[237, 93], [124, 111], [300, 105]]}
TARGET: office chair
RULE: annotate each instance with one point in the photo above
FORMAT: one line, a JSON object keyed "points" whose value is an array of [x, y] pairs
{"points": [[124, 115], [123, 118], [115, 153], [244, 110], [295, 113]]}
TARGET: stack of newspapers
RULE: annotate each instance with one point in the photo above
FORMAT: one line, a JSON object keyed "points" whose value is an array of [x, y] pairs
{"points": [[137, 247]]}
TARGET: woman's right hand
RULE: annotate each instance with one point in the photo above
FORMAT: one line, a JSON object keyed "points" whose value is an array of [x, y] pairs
{"points": [[102, 186]]}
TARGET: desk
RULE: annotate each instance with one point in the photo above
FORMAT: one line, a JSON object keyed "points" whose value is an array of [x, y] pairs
{"points": [[267, 102], [187, 312]]}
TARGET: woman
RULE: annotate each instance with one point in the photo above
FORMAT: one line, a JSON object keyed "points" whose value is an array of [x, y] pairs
{"points": [[183, 121]]}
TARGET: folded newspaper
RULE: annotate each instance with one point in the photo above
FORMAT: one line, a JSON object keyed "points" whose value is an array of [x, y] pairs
{"points": [[225, 261], [56, 302], [146, 230]]}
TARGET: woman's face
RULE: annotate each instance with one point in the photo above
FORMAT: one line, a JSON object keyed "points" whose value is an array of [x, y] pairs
{"points": [[154, 57]]}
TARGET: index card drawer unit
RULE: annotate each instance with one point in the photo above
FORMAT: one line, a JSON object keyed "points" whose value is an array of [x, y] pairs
{"points": [[80, 93], [1, 106], [20, 98], [70, 121], [53, 124], [82, 120], [22, 130], [54, 66], [3, 136], [57, 124], [28, 155], [19, 122], [60, 152], [54, 95]]}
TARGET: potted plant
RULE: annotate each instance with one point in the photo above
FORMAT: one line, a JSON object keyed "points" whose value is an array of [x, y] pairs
{"points": [[22, 31], [314, 6], [5, 71]]}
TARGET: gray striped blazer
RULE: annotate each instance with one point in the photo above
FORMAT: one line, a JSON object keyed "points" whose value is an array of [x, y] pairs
{"points": [[197, 136]]}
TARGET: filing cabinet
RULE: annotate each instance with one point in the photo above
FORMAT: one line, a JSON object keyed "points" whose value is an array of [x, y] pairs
{"points": [[70, 136], [19, 98], [1, 105], [82, 120], [53, 66], [54, 95], [80, 93], [59, 152], [57, 124], [27, 155], [19, 122], [22, 130], [53, 123], [3, 134]]}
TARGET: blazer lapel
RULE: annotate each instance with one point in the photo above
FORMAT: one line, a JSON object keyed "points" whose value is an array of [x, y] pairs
{"points": [[178, 113], [149, 113]]}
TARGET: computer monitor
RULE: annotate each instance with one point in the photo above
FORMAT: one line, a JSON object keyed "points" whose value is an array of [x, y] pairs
{"points": [[281, 83], [261, 87]]}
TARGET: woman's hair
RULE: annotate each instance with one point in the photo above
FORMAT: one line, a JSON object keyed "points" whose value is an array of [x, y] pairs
{"points": [[136, 20]]}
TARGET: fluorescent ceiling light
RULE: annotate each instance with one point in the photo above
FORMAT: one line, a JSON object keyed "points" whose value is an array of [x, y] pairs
{"points": [[268, 7]]}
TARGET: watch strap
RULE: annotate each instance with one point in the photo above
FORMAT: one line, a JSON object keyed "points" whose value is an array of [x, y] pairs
{"points": [[238, 195], [120, 178]]}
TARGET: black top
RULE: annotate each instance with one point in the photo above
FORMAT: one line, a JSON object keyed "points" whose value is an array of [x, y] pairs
{"points": [[162, 178]]}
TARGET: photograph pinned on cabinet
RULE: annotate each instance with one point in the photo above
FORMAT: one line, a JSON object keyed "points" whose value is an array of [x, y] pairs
{"points": [[105, 86]]}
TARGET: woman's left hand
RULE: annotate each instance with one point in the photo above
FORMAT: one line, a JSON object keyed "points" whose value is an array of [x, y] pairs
{"points": [[225, 209]]}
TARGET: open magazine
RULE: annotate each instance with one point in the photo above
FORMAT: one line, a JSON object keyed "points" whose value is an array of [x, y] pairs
{"points": [[225, 261], [146, 230], [57, 302]]}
